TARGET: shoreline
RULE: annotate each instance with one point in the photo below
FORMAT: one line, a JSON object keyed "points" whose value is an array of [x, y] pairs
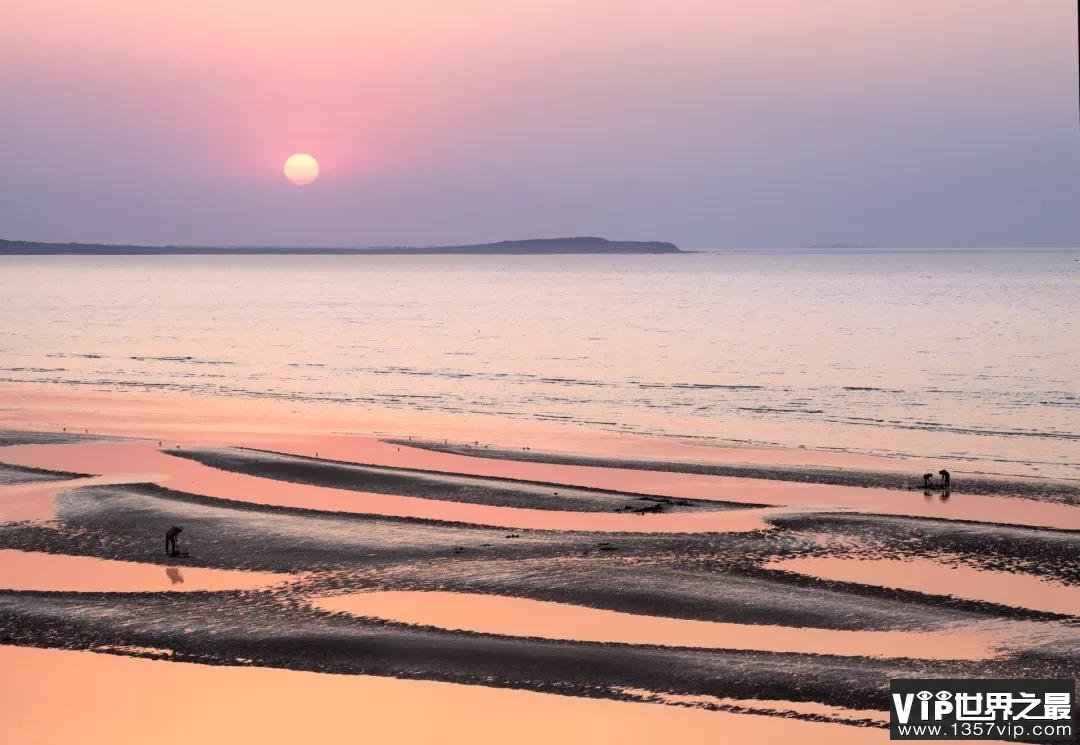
{"points": [[340, 517], [56, 411]]}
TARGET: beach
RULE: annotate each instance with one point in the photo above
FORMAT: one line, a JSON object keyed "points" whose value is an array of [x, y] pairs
{"points": [[328, 564], [455, 558]]}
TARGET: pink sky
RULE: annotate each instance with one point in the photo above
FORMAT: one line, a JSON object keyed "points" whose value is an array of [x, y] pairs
{"points": [[711, 123]]}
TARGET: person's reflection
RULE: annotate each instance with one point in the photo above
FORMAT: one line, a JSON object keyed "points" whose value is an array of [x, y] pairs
{"points": [[174, 575], [945, 495], [928, 494]]}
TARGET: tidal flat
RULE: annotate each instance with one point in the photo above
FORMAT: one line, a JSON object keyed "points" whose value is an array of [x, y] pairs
{"points": [[777, 606]]}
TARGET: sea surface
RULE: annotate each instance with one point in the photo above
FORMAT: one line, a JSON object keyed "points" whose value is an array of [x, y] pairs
{"points": [[973, 356]]}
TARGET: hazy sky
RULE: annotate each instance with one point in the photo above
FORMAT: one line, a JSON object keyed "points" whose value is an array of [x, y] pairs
{"points": [[711, 123]]}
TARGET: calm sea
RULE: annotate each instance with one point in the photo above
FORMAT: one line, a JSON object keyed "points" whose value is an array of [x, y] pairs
{"points": [[971, 355]]}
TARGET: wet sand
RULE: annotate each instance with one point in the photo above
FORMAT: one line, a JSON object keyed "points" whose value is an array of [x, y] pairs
{"points": [[433, 566], [784, 498], [428, 484], [803, 494], [10, 475], [780, 469], [114, 458], [36, 500]]}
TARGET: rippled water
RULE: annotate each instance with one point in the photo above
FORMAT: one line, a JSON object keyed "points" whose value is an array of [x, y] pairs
{"points": [[969, 354]]}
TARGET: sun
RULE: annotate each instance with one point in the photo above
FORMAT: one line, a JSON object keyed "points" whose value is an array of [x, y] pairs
{"points": [[301, 169]]}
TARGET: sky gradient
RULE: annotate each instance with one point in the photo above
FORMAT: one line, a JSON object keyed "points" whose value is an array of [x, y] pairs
{"points": [[930, 123]]}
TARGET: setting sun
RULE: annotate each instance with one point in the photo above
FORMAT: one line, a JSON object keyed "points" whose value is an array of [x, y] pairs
{"points": [[301, 169]]}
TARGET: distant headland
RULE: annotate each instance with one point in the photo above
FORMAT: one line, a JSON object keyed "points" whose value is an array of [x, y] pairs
{"points": [[580, 245]]}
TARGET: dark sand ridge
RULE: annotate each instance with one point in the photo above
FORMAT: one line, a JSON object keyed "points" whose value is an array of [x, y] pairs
{"points": [[786, 498], [642, 573], [505, 615], [709, 576], [265, 629], [119, 458], [1064, 492], [452, 487], [1042, 552], [125, 522], [1039, 551], [258, 626], [33, 437], [14, 474], [10, 474], [653, 574], [930, 576], [666, 588], [35, 502]]}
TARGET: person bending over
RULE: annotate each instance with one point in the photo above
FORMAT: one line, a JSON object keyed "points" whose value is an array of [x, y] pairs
{"points": [[170, 540]]}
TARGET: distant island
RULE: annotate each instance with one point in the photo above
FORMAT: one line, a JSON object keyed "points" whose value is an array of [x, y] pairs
{"points": [[580, 245]]}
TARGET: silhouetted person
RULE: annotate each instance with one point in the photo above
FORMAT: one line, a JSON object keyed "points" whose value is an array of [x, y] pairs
{"points": [[170, 540], [944, 478], [927, 480]]}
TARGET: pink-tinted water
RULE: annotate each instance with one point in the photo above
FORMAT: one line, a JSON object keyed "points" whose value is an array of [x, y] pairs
{"points": [[53, 697], [32, 570], [186, 475], [35, 501], [936, 578], [805, 496], [511, 616]]}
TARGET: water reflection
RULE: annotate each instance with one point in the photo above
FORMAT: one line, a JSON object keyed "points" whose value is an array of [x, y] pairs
{"points": [[187, 475], [109, 699], [786, 497], [937, 578], [944, 497], [513, 616], [32, 570], [1005, 399]]}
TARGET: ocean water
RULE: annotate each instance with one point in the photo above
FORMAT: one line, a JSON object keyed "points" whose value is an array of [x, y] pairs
{"points": [[968, 355]]}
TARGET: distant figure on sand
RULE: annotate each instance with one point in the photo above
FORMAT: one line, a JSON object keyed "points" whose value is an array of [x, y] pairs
{"points": [[170, 540], [944, 478], [927, 480]]}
